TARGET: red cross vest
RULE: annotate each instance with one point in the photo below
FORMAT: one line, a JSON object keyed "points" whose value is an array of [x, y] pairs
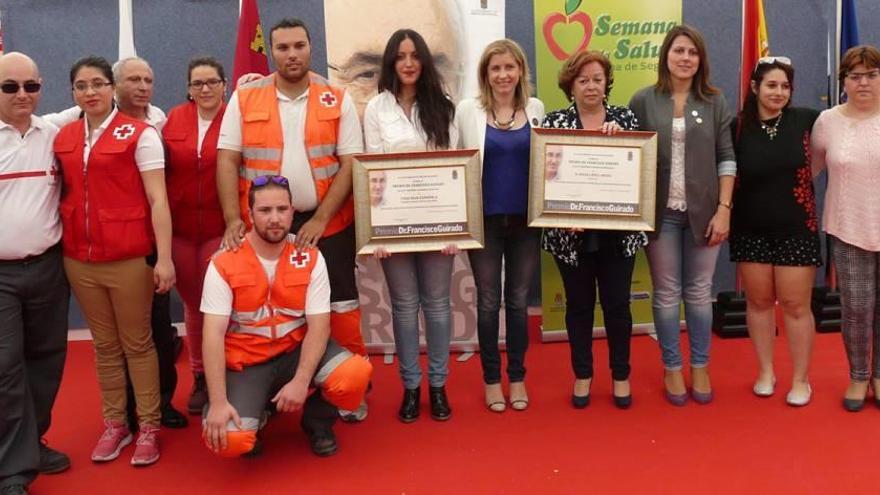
{"points": [[266, 320], [191, 174], [104, 209], [262, 140]]}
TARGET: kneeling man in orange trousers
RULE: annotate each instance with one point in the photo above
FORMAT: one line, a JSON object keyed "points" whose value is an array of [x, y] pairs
{"points": [[267, 334]]}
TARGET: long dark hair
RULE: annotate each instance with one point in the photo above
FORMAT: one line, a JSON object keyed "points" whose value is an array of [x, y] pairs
{"points": [[749, 115], [700, 86], [436, 111]]}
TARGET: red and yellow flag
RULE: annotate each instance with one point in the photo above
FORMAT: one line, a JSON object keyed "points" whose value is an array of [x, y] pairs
{"points": [[250, 48], [755, 43]]}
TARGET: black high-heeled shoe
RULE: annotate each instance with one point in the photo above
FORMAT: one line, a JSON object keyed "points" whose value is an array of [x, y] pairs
{"points": [[855, 405], [582, 401], [409, 407], [621, 401]]}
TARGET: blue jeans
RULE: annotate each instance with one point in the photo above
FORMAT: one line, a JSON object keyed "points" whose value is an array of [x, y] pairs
{"points": [[681, 270], [507, 239], [414, 280]]}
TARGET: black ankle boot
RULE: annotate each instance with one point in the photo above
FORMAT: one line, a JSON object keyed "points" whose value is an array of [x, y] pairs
{"points": [[198, 397], [440, 409], [409, 407]]}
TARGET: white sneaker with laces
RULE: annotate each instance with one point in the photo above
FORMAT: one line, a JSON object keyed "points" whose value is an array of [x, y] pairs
{"points": [[355, 416]]}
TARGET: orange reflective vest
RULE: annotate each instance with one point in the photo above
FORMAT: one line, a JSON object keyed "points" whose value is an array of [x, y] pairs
{"points": [[266, 320], [262, 140]]}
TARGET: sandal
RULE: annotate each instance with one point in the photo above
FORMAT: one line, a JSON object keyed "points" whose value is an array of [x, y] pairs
{"points": [[495, 398], [519, 399]]}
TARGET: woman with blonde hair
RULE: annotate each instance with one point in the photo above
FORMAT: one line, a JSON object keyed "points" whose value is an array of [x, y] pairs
{"points": [[498, 122]]}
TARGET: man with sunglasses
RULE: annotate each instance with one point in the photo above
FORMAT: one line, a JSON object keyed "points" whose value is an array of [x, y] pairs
{"points": [[34, 292], [295, 123], [266, 334]]}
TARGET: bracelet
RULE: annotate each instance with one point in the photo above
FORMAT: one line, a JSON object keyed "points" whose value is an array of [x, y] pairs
{"points": [[726, 205]]}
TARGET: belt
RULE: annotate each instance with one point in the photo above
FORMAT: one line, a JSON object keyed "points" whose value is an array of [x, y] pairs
{"points": [[34, 257]]}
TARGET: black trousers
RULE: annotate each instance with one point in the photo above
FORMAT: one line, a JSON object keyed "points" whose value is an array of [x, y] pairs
{"points": [[34, 299], [613, 275], [163, 338]]}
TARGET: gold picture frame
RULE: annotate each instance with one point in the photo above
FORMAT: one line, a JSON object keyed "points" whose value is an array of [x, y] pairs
{"points": [[609, 183], [435, 199]]}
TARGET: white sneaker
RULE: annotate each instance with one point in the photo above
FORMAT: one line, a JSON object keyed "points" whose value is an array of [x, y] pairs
{"points": [[799, 399], [355, 416]]}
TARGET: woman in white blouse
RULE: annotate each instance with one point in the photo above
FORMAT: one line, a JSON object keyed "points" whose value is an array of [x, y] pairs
{"points": [[412, 113]]}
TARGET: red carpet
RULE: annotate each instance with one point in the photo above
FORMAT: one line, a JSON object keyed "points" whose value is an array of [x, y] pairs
{"points": [[738, 444]]}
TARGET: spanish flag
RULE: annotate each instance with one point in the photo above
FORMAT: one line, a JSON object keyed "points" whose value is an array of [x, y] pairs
{"points": [[755, 43], [250, 49]]}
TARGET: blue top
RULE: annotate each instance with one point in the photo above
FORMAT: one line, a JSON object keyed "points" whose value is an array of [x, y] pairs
{"points": [[506, 171]]}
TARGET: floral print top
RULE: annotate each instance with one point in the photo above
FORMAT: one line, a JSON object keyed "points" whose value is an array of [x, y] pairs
{"points": [[565, 244], [774, 197]]}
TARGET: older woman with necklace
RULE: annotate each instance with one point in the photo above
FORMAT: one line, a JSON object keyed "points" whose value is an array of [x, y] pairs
{"points": [[587, 259]]}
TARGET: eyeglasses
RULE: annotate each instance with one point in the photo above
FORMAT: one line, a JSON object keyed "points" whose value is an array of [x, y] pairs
{"points": [[263, 180], [857, 76], [12, 87], [774, 60], [210, 83], [98, 85]]}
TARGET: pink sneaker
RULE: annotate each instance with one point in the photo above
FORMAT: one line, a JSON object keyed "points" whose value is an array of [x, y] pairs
{"points": [[147, 450], [115, 437]]}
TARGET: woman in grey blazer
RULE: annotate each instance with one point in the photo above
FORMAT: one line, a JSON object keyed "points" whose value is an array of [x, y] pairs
{"points": [[696, 169]]}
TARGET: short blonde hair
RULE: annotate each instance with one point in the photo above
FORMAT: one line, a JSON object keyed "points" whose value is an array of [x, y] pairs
{"points": [[523, 89]]}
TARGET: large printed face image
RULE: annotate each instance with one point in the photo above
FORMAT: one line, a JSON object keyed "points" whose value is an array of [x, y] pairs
{"points": [[358, 31]]}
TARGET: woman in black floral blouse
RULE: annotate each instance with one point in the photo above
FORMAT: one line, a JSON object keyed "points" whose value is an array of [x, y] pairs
{"points": [[590, 258]]}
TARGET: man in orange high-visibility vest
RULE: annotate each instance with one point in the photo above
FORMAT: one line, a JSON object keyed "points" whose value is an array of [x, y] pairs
{"points": [[267, 334], [294, 123]]}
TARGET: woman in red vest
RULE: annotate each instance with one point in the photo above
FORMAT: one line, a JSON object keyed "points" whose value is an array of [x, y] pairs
{"points": [[117, 250], [190, 136]]}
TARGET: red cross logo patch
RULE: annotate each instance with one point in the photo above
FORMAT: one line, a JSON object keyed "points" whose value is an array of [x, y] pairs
{"points": [[299, 259], [327, 99], [123, 132]]}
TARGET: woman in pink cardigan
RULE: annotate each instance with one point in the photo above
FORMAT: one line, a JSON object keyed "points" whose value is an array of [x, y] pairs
{"points": [[845, 141]]}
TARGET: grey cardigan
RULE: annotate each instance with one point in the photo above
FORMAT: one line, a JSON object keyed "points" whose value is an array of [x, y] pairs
{"points": [[708, 148]]}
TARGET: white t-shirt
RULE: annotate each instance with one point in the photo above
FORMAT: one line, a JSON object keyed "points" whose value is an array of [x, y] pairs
{"points": [[388, 130], [30, 189], [217, 295], [155, 116], [203, 130], [149, 155], [294, 160]]}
